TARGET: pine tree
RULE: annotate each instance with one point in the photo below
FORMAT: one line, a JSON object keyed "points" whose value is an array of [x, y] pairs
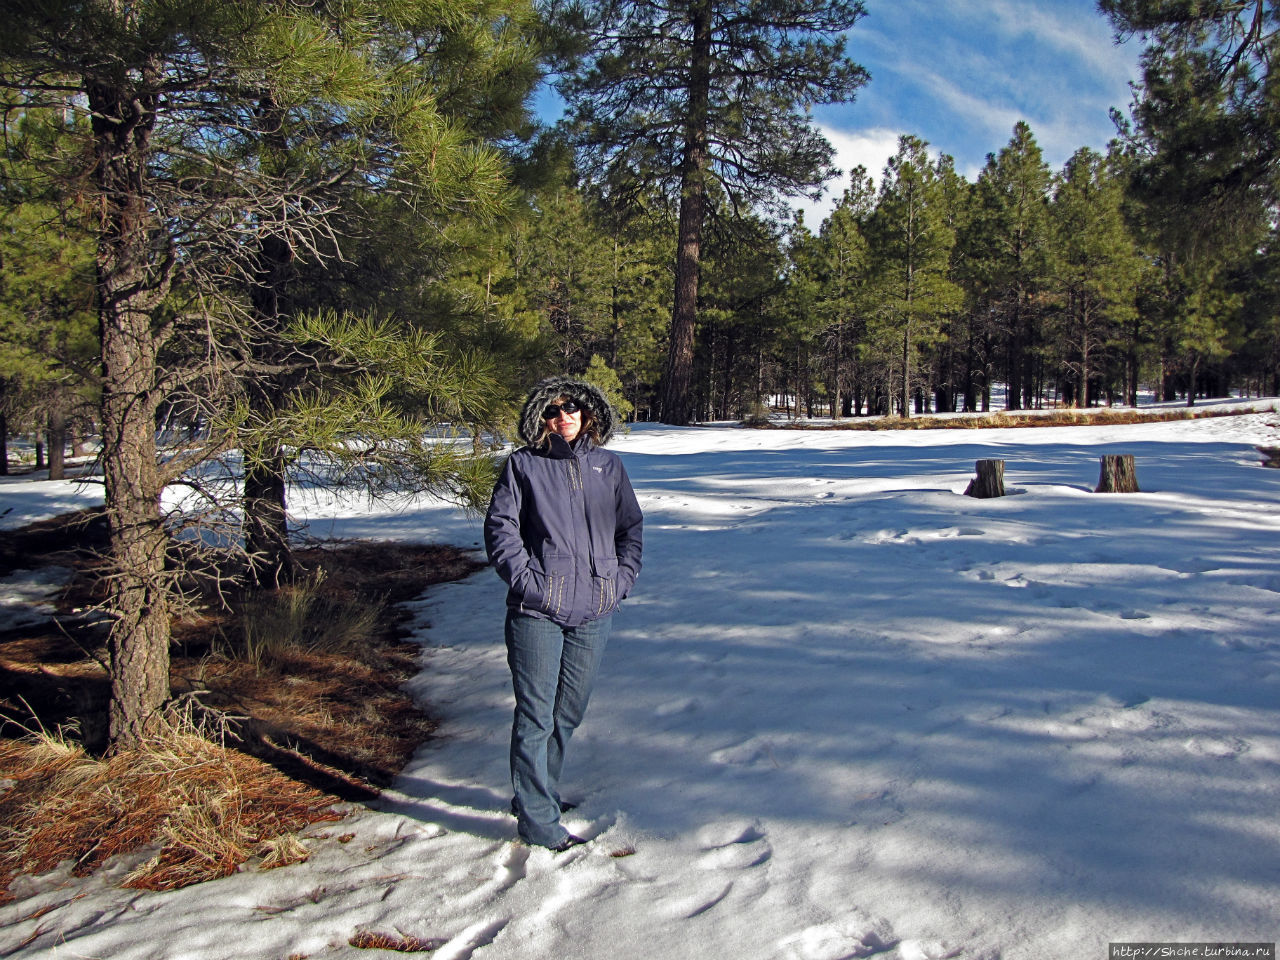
{"points": [[845, 299], [912, 241], [192, 209], [1261, 351], [477, 69], [640, 299], [950, 363], [603, 376], [1096, 266], [47, 322], [745, 321], [568, 277], [683, 96], [1207, 114], [1009, 255]]}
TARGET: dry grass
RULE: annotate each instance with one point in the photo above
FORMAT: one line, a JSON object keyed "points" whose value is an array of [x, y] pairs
{"points": [[1059, 418], [313, 721], [209, 808], [270, 626], [397, 942]]}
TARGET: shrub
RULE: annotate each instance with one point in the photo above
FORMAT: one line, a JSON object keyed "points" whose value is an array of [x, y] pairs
{"points": [[303, 616], [756, 414]]}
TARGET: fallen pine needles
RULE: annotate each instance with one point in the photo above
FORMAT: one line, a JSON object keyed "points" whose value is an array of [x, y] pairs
{"points": [[209, 808]]}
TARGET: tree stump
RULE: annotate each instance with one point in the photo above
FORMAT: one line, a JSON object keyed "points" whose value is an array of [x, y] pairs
{"points": [[989, 482], [1118, 475]]}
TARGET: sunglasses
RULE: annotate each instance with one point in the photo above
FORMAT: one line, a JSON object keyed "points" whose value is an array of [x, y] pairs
{"points": [[555, 409]]}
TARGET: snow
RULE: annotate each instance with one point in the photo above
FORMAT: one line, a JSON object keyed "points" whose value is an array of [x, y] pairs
{"points": [[848, 712]]}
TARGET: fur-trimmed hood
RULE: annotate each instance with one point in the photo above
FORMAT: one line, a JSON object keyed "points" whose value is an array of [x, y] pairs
{"points": [[580, 391]]}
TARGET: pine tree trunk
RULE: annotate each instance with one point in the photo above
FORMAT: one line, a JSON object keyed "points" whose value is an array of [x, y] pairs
{"points": [[989, 482], [266, 524], [676, 406], [266, 529], [1118, 475], [906, 364], [57, 434], [968, 383], [1013, 376], [1086, 400], [138, 645]]}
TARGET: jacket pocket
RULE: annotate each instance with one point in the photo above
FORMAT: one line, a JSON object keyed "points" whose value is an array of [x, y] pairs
{"points": [[604, 587], [544, 590]]}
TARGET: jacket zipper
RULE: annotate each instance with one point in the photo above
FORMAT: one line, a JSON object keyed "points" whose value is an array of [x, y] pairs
{"points": [[576, 486]]}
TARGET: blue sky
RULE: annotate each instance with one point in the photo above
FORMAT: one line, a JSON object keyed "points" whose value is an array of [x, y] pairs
{"points": [[960, 73]]}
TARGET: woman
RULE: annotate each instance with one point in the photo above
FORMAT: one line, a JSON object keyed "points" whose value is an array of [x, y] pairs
{"points": [[564, 532]]}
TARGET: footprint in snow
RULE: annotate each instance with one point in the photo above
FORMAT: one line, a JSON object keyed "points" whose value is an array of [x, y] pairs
{"points": [[887, 536], [1135, 719], [755, 753], [512, 867], [1218, 748], [672, 707], [855, 935], [480, 934], [1269, 584], [718, 835], [703, 657], [699, 904], [745, 848], [690, 900], [928, 950]]}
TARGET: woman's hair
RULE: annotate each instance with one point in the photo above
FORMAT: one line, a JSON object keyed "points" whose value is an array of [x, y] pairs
{"points": [[589, 425]]}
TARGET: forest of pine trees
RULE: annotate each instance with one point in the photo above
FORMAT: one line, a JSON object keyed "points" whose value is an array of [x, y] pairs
{"points": [[313, 236]]}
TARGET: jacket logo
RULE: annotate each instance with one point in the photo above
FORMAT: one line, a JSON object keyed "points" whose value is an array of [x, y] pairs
{"points": [[598, 469]]}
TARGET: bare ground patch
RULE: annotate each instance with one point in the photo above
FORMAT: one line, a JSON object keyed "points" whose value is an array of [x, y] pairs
{"points": [[261, 745]]}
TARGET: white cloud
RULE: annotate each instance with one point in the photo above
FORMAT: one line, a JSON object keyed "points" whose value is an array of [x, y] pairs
{"points": [[868, 148], [994, 117], [961, 74], [1085, 37]]}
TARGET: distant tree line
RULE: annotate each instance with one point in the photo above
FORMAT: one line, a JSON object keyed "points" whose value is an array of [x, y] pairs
{"points": [[245, 242], [1150, 267]]}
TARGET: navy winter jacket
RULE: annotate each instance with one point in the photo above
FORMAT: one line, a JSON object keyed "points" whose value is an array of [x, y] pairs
{"points": [[564, 528]]}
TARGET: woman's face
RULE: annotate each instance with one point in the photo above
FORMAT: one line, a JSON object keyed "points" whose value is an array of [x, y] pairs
{"points": [[566, 424]]}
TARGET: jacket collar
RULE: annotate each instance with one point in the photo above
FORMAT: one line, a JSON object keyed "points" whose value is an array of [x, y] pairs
{"points": [[558, 448]]}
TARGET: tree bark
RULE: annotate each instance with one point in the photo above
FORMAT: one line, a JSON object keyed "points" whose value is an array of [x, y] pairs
{"points": [[989, 482], [138, 644], [676, 406], [57, 434], [1118, 475], [1014, 361], [266, 529]]}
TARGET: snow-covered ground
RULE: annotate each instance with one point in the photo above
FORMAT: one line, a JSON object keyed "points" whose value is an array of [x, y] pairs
{"points": [[848, 712]]}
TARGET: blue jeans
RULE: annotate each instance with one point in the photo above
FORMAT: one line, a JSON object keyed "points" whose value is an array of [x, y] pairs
{"points": [[553, 669]]}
